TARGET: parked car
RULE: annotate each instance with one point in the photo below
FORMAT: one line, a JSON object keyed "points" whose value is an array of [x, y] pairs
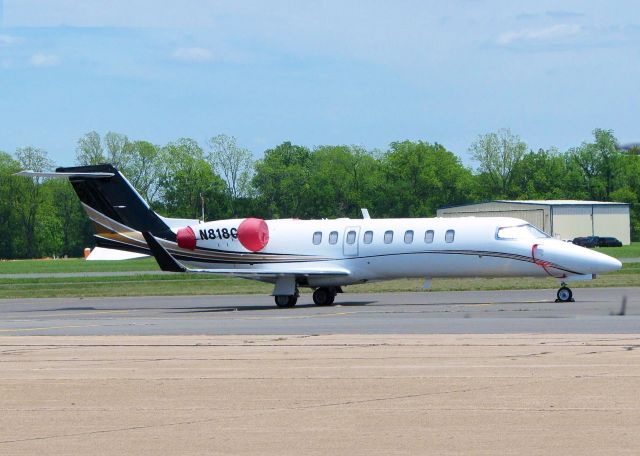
{"points": [[609, 242], [587, 241], [597, 241]]}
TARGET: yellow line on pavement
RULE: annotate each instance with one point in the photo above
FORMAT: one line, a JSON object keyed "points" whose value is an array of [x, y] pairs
{"points": [[44, 328], [89, 312], [294, 317]]}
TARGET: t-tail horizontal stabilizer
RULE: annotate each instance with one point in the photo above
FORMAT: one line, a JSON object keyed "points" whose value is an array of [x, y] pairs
{"points": [[164, 258], [28, 173]]}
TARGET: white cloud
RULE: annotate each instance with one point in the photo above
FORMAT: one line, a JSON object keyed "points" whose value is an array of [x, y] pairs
{"points": [[8, 40], [193, 54], [537, 35], [44, 60]]}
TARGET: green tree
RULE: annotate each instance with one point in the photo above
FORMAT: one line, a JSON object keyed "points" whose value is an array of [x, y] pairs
{"points": [[50, 230], [599, 163], [498, 154], [74, 230], [234, 164], [541, 175], [119, 150], [186, 178], [342, 180], [629, 191], [9, 184], [144, 169], [419, 177], [114, 148], [138, 161], [282, 180], [89, 150], [28, 197]]}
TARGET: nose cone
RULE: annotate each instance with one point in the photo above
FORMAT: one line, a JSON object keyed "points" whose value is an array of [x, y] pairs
{"points": [[577, 259], [603, 263]]}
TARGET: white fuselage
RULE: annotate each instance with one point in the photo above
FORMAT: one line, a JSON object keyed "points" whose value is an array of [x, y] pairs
{"points": [[417, 247]]}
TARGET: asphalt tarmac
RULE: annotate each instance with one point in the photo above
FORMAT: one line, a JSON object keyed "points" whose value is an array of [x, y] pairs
{"points": [[443, 394], [597, 310]]}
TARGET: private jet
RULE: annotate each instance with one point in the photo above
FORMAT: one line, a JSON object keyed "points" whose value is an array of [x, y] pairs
{"points": [[323, 255]]}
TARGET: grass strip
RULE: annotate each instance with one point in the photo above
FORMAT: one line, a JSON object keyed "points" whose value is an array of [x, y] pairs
{"points": [[626, 251], [191, 284], [75, 265], [149, 264]]}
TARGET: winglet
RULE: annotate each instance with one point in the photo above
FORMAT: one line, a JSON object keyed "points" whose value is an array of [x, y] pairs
{"points": [[164, 258]]}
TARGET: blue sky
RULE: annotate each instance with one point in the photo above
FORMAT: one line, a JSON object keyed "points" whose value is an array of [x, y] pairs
{"points": [[317, 72]]}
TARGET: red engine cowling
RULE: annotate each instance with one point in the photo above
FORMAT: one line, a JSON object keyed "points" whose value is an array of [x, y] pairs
{"points": [[186, 238], [253, 234]]}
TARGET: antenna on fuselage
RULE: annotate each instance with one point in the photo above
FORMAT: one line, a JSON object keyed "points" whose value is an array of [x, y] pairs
{"points": [[202, 205], [365, 213]]}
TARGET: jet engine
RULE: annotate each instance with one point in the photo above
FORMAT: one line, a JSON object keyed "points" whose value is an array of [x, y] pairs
{"points": [[253, 234]]}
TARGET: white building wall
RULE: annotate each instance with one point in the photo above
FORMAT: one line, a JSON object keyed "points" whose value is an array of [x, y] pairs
{"points": [[610, 220], [562, 221], [534, 216], [537, 215], [571, 221]]}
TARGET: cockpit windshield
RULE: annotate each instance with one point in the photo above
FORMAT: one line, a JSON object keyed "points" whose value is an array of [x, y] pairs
{"points": [[526, 231]]}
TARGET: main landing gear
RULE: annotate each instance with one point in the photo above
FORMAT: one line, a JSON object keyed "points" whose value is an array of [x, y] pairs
{"points": [[284, 301], [324, 296], [564, 294]]}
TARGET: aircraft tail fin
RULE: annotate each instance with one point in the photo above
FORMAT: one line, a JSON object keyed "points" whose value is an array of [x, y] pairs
{"points": [[105, 192], [117, 210]]}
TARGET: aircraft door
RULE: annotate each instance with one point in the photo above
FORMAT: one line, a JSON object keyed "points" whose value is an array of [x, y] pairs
{"points": [[350, 241]]}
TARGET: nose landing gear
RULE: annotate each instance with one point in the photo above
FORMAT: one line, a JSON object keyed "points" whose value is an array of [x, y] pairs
{"points": [[564, 294]]}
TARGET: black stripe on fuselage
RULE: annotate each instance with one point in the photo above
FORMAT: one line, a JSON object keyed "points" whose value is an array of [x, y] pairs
{"points": [[508, 256], [480, 253], [249, 261]]}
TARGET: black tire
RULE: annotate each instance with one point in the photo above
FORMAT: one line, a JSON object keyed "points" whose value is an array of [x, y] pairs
{"points": [[323, 296], [284, 301], [564, 294]]}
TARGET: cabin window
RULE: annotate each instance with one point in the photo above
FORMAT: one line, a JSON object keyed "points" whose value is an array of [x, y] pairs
{"points": [[317, 237], [333, 237], [368, 237], [449, 236], [351, 237], [408, 236], [428, 236], [388, 237]]}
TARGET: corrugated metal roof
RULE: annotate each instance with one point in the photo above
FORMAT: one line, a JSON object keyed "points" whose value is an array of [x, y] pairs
{"points": [[541, 202], [561, 202]]}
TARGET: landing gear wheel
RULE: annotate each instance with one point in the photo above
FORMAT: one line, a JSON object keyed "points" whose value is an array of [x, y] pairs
{"points": [[565, 294], [324, 296], [284, 301]]}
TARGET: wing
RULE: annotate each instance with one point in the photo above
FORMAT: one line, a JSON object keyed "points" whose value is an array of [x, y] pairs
{"points": [[168, 263]]}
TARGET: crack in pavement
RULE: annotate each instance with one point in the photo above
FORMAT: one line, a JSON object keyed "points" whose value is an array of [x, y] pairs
{"points": [[262, 411]]}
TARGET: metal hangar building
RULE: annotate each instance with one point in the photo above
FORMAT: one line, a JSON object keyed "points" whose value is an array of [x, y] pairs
{"points": [[562, 219]]}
